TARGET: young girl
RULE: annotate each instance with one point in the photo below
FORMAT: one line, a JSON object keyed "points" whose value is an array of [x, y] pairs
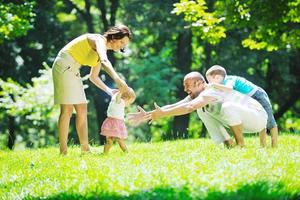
{"points": [[113, 127]]}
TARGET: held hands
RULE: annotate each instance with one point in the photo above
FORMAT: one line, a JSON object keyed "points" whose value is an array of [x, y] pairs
{"points": [[111, 92], [122, 85]]}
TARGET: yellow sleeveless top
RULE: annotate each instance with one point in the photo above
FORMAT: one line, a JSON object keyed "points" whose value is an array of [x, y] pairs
{"points": [[82, 52]]}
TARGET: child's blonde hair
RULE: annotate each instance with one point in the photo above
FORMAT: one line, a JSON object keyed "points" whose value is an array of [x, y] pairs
{"points": [[129, 95], [216, 70]]}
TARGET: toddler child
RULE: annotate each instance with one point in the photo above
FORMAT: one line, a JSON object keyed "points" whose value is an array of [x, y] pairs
{"points": [[113, 127]]}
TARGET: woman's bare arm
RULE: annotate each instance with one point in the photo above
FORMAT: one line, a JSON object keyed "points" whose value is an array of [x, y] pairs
{"points": [[94, 78], [101, 50]]}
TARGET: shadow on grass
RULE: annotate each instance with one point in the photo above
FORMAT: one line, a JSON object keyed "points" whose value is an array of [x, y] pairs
{"points": [[256, 191]]}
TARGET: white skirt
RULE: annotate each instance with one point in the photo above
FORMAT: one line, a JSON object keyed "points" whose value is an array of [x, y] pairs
{"points": [[68, 86]]}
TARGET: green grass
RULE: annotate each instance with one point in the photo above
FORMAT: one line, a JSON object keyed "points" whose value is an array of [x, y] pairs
{"points": [[184, 169]]}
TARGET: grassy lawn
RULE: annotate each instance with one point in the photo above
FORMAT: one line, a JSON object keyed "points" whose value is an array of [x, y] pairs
{"points": [[184, 169]]}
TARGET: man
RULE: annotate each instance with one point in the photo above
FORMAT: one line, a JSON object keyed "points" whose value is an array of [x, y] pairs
{"points": [[217, 109]]}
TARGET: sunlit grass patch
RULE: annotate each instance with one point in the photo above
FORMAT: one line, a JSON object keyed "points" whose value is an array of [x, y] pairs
{"points": [[184, 169]]}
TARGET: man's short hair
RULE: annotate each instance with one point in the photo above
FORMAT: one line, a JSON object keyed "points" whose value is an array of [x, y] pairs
{"points": [[195, 76], [216, 70]]}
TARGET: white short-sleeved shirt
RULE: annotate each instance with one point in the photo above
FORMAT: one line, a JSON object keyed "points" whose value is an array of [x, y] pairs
{"points": [[243, 109], [115, 109], [232, 96]]}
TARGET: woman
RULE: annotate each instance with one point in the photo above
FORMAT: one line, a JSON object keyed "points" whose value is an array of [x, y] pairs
{"points": [[88, 50]]}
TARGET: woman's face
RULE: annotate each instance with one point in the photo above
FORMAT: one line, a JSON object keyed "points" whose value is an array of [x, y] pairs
{"points": [[119, 44]]}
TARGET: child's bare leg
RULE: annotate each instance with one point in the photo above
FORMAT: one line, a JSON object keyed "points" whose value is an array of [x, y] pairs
{"points": [[108, 144], [122, 144], [263, 137], [238, 135], [274, 136]]}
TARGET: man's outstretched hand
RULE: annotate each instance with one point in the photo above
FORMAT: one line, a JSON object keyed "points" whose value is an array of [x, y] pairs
{"points": [[139, 117], [157, 113]]}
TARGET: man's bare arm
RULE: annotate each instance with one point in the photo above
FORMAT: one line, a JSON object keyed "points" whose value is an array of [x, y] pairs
{"points": [[101, 50], [185, 100], [181, 109]]}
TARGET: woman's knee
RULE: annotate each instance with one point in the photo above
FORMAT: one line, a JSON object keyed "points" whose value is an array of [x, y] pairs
{"points": [[81, 110], [66, 111]]}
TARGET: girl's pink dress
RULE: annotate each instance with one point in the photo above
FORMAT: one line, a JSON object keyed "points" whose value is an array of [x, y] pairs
{"points": [[114, 128], [114, 125]]}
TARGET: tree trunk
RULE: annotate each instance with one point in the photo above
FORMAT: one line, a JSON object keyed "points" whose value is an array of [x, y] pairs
{"points": [[184, 61], [294, 94], [287, 105], [102, 6], [88, 17], [113, 10], [11, 132]]}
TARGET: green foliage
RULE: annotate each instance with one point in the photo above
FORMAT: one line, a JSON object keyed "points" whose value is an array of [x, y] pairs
{"points": [[195, 126], [15, 19], [151, 67], [186, 169], [160, 130], [154, 78], [34, 104], [272, 25], [204, 24], [152, 64], [148, 20], [290, 120]]}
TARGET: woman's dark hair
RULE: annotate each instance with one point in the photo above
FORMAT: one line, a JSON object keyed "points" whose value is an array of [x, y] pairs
{"points": [[117, 32]]}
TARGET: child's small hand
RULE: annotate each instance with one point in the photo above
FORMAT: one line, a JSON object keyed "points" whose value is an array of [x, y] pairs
{"points": [[114, 91], [122, 85], [111, 92]]}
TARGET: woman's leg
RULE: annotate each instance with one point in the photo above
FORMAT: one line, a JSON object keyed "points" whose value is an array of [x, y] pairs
{"points": [[63, 126], [82, 126], [122, 144], [108, 144]]}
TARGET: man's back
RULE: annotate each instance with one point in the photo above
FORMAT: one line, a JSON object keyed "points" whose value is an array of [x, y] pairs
{"points": [[221, 97]]}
